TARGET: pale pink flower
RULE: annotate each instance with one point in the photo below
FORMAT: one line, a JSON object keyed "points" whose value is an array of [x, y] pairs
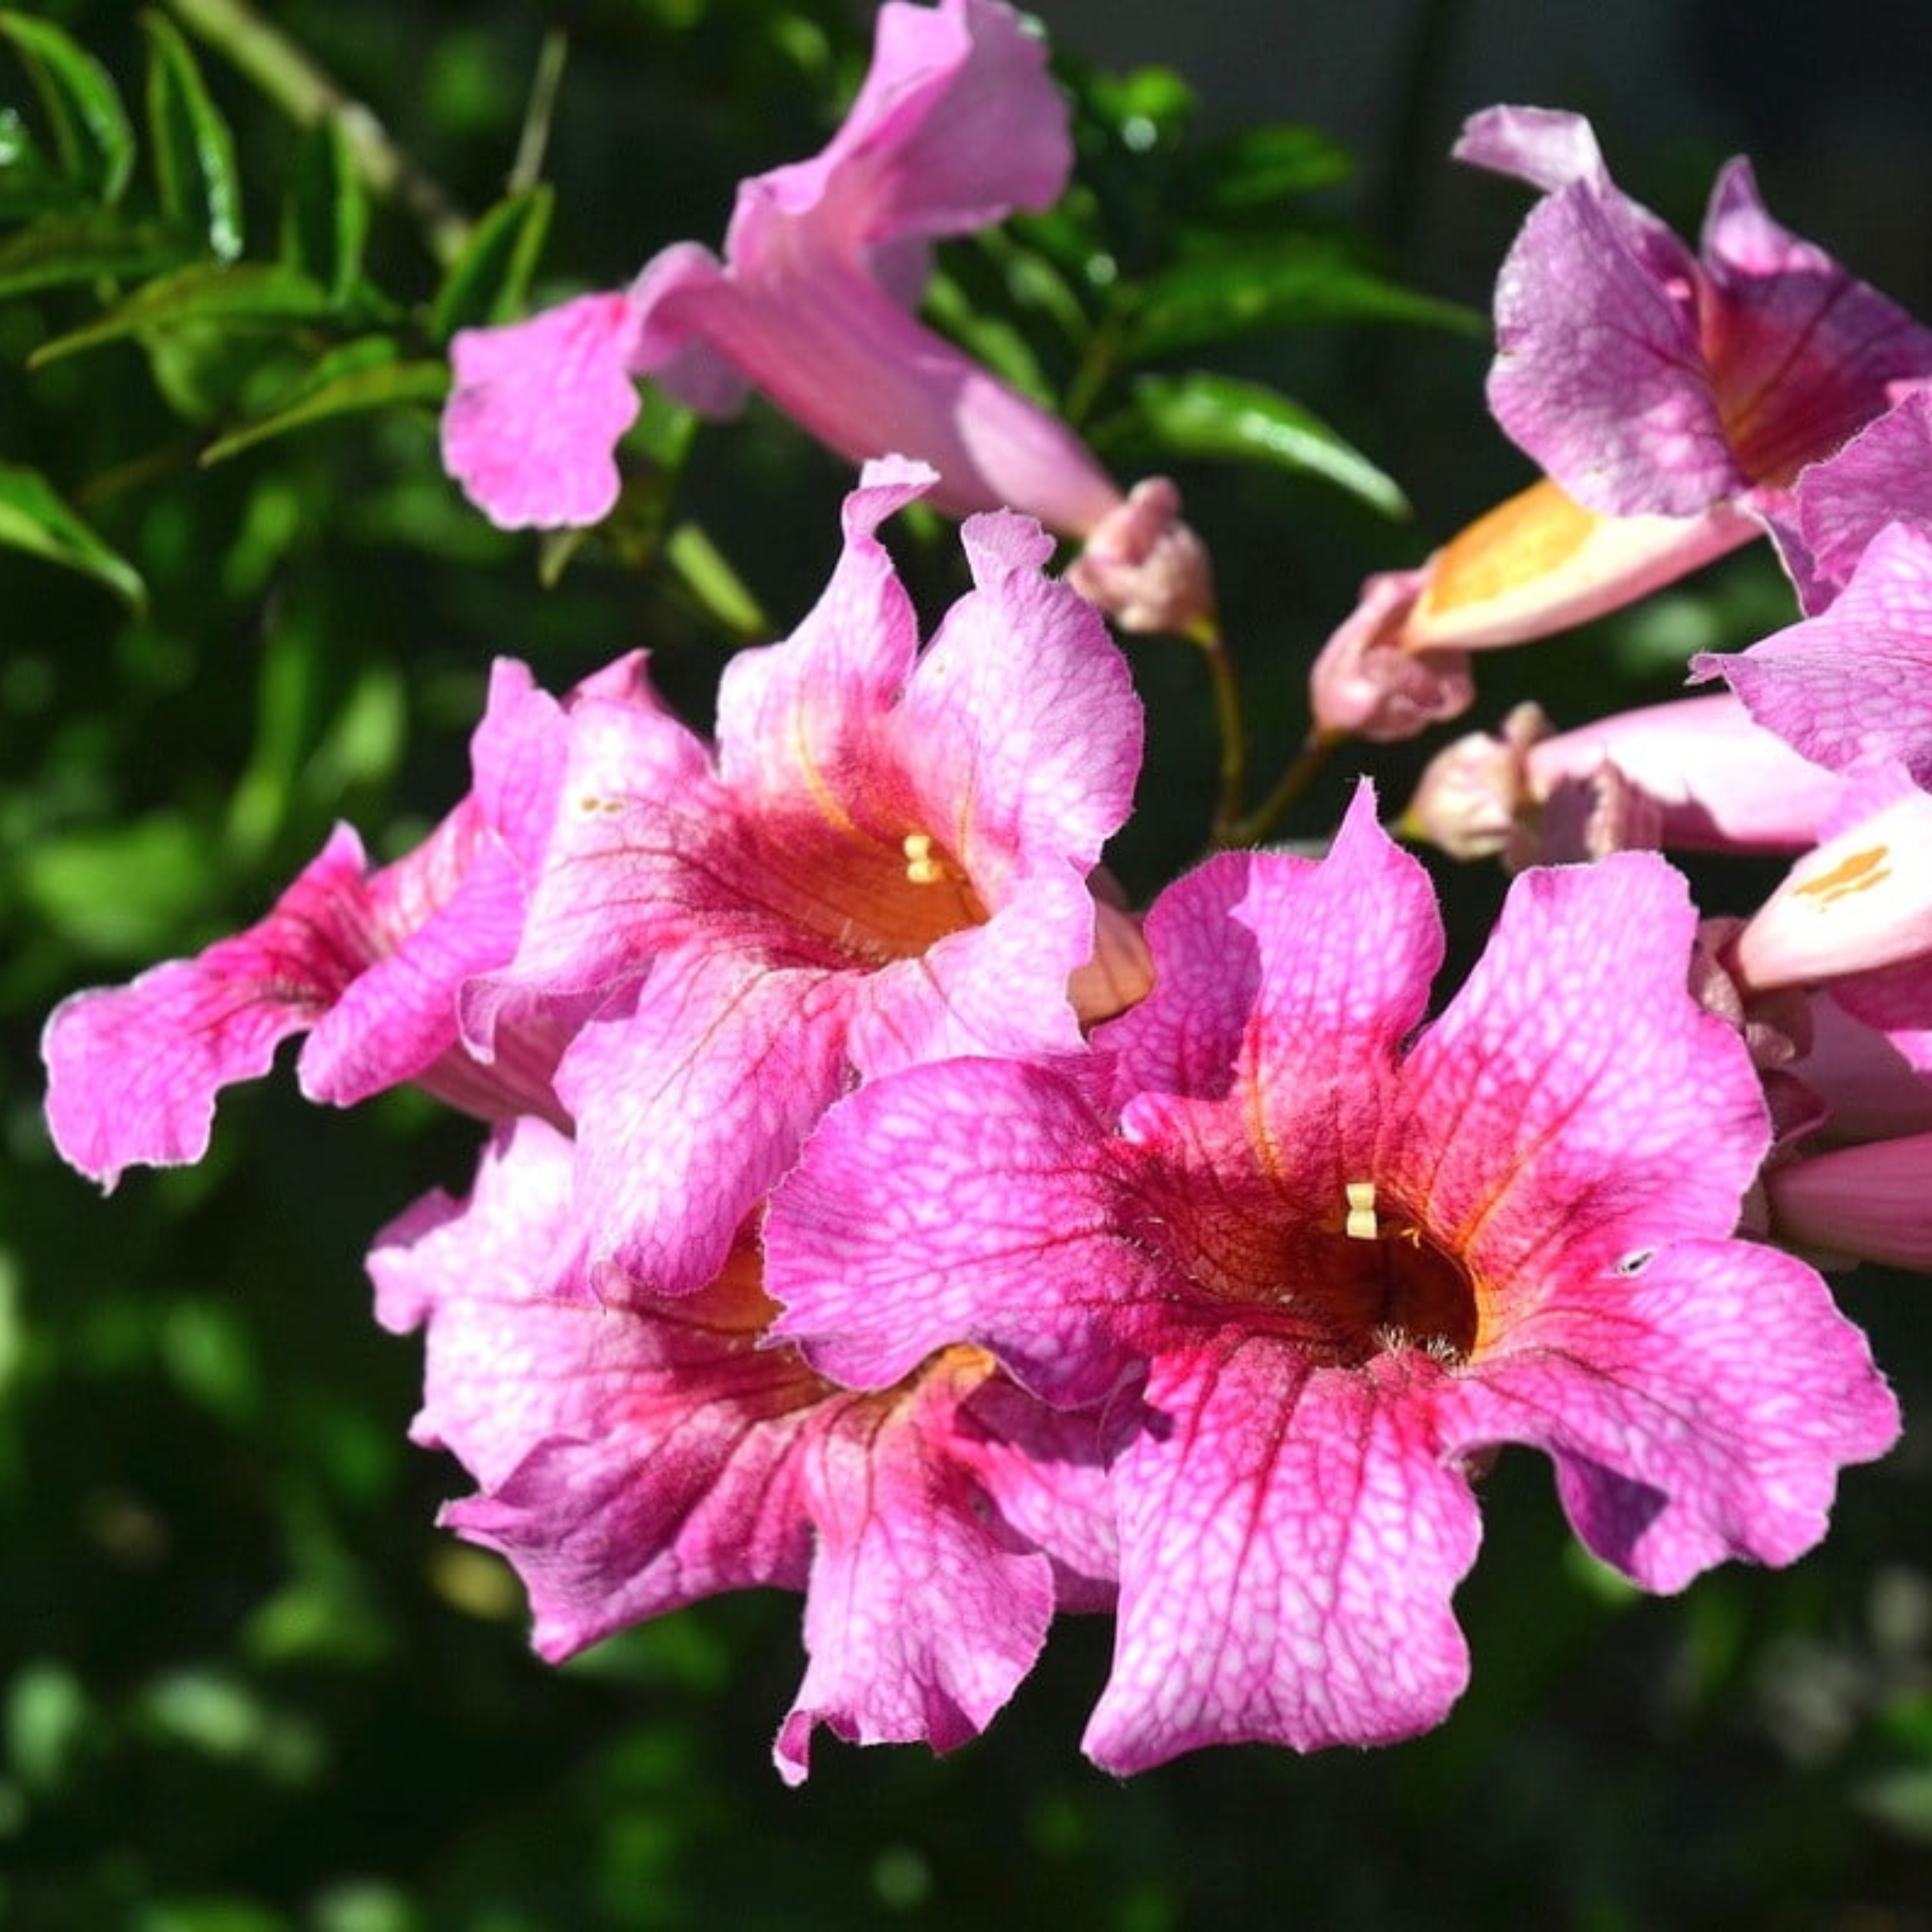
{"points": [[635, 1455], [885, 857], [1695, 775], [958, 123], [1312, 1262], [367, 962]]}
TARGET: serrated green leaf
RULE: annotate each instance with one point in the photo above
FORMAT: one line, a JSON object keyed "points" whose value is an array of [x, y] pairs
{"points": [[1304, 280], [1207, 415], [102, 245], [35, 518], [361, 377], [247, 295], [194, 151], [93, 136], [489, 281], [325, 214]]}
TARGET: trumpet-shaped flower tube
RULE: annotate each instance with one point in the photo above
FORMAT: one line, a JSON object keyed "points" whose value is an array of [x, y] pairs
{"points": [[637, 1456], [884, 858], [1698, 774], [1312, 1262], [957, 124]]}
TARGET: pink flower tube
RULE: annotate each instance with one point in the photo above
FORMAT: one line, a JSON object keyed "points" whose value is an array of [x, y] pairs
{"points": [[957, 124]]}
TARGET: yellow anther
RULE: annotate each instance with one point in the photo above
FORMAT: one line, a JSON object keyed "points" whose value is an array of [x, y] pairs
{"points": [[1362, 1225], [921, 867]]}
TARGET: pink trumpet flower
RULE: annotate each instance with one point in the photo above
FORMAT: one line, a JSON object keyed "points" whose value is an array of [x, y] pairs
{"points": [[1671, 398], [957, 124], [1695, 775], [886, 857], [1311, 1262], [635, 1455]]}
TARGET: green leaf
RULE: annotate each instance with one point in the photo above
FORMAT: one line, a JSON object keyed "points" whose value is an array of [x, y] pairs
{"points": [[194, 151], [1207, 415], [34, 517], [1303, 280], [1261, 168], [93, 136], [250, 294], [489, 281], [357, 377], [99, 245], [325, 216]]}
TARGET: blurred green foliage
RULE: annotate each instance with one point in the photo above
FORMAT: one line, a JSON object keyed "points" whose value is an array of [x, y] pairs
{"points": [[244, 1682]]}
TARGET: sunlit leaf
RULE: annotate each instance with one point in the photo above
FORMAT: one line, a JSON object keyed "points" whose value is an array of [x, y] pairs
{"points": [[1208, 415], [245, 295], [1304, 279], [489, 281], [325, 214], [92, 135], [34, 516], [194, 151], [355, 378]]}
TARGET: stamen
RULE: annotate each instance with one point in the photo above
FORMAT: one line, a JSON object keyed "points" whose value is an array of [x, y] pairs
{"points": [[921, 867], [1362, 1225]]}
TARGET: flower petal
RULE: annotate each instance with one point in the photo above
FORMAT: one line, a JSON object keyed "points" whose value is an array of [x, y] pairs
{"points": [[133, 1071], [1290, 1539], [530, 428], [1697, 1409]]}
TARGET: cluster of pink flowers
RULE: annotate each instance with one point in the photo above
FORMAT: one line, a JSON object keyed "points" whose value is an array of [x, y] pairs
{"points": [[874, 1206]]}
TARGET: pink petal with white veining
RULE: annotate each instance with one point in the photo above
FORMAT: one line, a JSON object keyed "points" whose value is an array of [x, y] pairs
{"points": [[1883, 475], [921, 1614], [1573, 1103], [1697, 1409], [690, 1106], [1290, 1539], [963, 1201], [1852, 686], [133, 1071]]}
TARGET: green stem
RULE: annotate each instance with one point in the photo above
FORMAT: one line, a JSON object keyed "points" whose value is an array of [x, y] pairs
{"points": [[307, 94], [1300, 774], [527, 170], [1206, 636]]}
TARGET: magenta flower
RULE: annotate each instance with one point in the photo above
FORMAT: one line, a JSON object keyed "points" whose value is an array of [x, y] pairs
{"points": [[884, 859], [634, 1457], [367, 963], [1311, 1263], [1644, 378], [957, 124]]}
